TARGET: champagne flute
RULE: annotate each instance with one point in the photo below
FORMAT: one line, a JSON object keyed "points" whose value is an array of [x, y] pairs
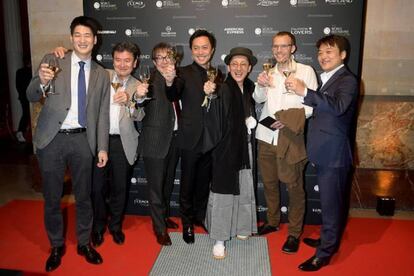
{"points": [[53, 65], [267, 65], [288, 69], [144, 76]]}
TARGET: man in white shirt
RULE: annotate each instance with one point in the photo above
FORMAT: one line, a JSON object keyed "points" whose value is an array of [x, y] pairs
{"points": [[273, 166]]}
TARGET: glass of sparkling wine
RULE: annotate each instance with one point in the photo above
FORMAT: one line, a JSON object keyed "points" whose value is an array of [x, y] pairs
{"points": [[267, 65], [53, 65], [288, 69], [144, 76]]}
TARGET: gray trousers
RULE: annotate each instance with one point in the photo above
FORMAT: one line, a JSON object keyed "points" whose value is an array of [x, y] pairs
{"points": [[67, 150]]}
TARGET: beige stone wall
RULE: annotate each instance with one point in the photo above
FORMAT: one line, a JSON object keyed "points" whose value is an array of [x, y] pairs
{"points": [[385, 130]]}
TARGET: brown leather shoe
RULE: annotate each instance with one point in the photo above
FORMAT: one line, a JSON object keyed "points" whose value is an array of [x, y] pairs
{"points": [[163, 238]]}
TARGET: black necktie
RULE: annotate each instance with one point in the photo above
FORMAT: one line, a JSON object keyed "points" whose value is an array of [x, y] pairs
{"points": [[81, 95]]}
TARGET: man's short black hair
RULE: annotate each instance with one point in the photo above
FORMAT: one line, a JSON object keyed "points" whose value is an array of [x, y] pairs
{"points": [[127, 46], [85, 21], [206, 33]]}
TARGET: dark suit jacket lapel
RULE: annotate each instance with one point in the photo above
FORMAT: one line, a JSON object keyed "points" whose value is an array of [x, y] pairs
{"points": [[333, 79]]}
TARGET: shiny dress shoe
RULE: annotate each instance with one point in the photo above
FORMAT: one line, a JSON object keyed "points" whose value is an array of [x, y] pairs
{"points": [[314, 264], [97, 238], [163, 238], [118, 236], [312, 242], [188, 235], [171, 224], [90, 254], [291, 245], [55, 257], [266, 229]]}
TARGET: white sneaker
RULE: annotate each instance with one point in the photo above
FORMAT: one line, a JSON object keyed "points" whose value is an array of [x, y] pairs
{"points": [[243, 238], [219, 251], [20, 137]]}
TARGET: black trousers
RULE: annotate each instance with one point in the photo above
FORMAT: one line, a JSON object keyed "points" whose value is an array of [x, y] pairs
{"points": [[110, 186], [24, 120], [194, 186], [64, 150], [160, 174]]}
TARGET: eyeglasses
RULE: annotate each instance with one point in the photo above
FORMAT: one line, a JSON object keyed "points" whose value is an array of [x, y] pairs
{"points": [[283, 46], [160, 58], [242, 65]]}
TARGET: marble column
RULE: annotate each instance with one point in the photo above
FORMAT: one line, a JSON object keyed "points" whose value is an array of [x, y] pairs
{"points": [[14, 53]]}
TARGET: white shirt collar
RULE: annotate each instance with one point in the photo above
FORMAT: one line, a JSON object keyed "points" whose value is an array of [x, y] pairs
{"points": [[325, 76], [75, 60]]}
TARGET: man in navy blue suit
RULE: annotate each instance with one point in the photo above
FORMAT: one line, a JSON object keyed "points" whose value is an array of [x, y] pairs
{"points": [[329, 143]]}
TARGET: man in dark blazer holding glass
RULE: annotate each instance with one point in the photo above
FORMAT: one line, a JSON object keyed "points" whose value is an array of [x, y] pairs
{"points": [[329, 142], [72, 126]]}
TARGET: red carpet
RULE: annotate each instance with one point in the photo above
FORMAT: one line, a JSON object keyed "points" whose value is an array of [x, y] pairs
{"points": [[370, 246]]}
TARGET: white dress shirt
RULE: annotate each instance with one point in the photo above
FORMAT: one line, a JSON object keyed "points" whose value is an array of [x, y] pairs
{"points": [[275, 99], [71, 120]]}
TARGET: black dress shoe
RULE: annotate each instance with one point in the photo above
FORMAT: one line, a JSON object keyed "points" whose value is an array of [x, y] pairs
{"points": [[199, 223], [97, 238], [163, 238], [171, 224], [291, 245], [266, 229], [188, 234], [55, 257], [90, 254], [312, 242], [314, 264], [118, 236]]}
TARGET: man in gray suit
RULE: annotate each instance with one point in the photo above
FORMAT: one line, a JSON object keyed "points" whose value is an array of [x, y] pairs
{"points": [[72, 126], [123, 145]]}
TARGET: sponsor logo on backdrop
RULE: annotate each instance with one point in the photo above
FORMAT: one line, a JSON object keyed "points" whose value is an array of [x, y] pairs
{"points": [[303, 58], [168, 32], [268, 3], [301, 30], [338, 2], [136, 32], [106, 32], [265, 31], [136, 4], [234, 30], [234, 4], [303, 3], [141, 202], [104, 5], [200, 4], [336, 30], [316, 210], [261, 208], [284, 209], [316, 188], [144, 57], [167, 4], [104, 57]]}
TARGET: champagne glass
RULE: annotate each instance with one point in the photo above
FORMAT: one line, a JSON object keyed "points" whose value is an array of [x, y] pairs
{"points": [[144, 76], [288, 69], [267, 65], [53, 65], [144, 73]]}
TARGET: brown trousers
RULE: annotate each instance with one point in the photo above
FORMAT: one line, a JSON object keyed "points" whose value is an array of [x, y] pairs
{"points": [[274, 169]]}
